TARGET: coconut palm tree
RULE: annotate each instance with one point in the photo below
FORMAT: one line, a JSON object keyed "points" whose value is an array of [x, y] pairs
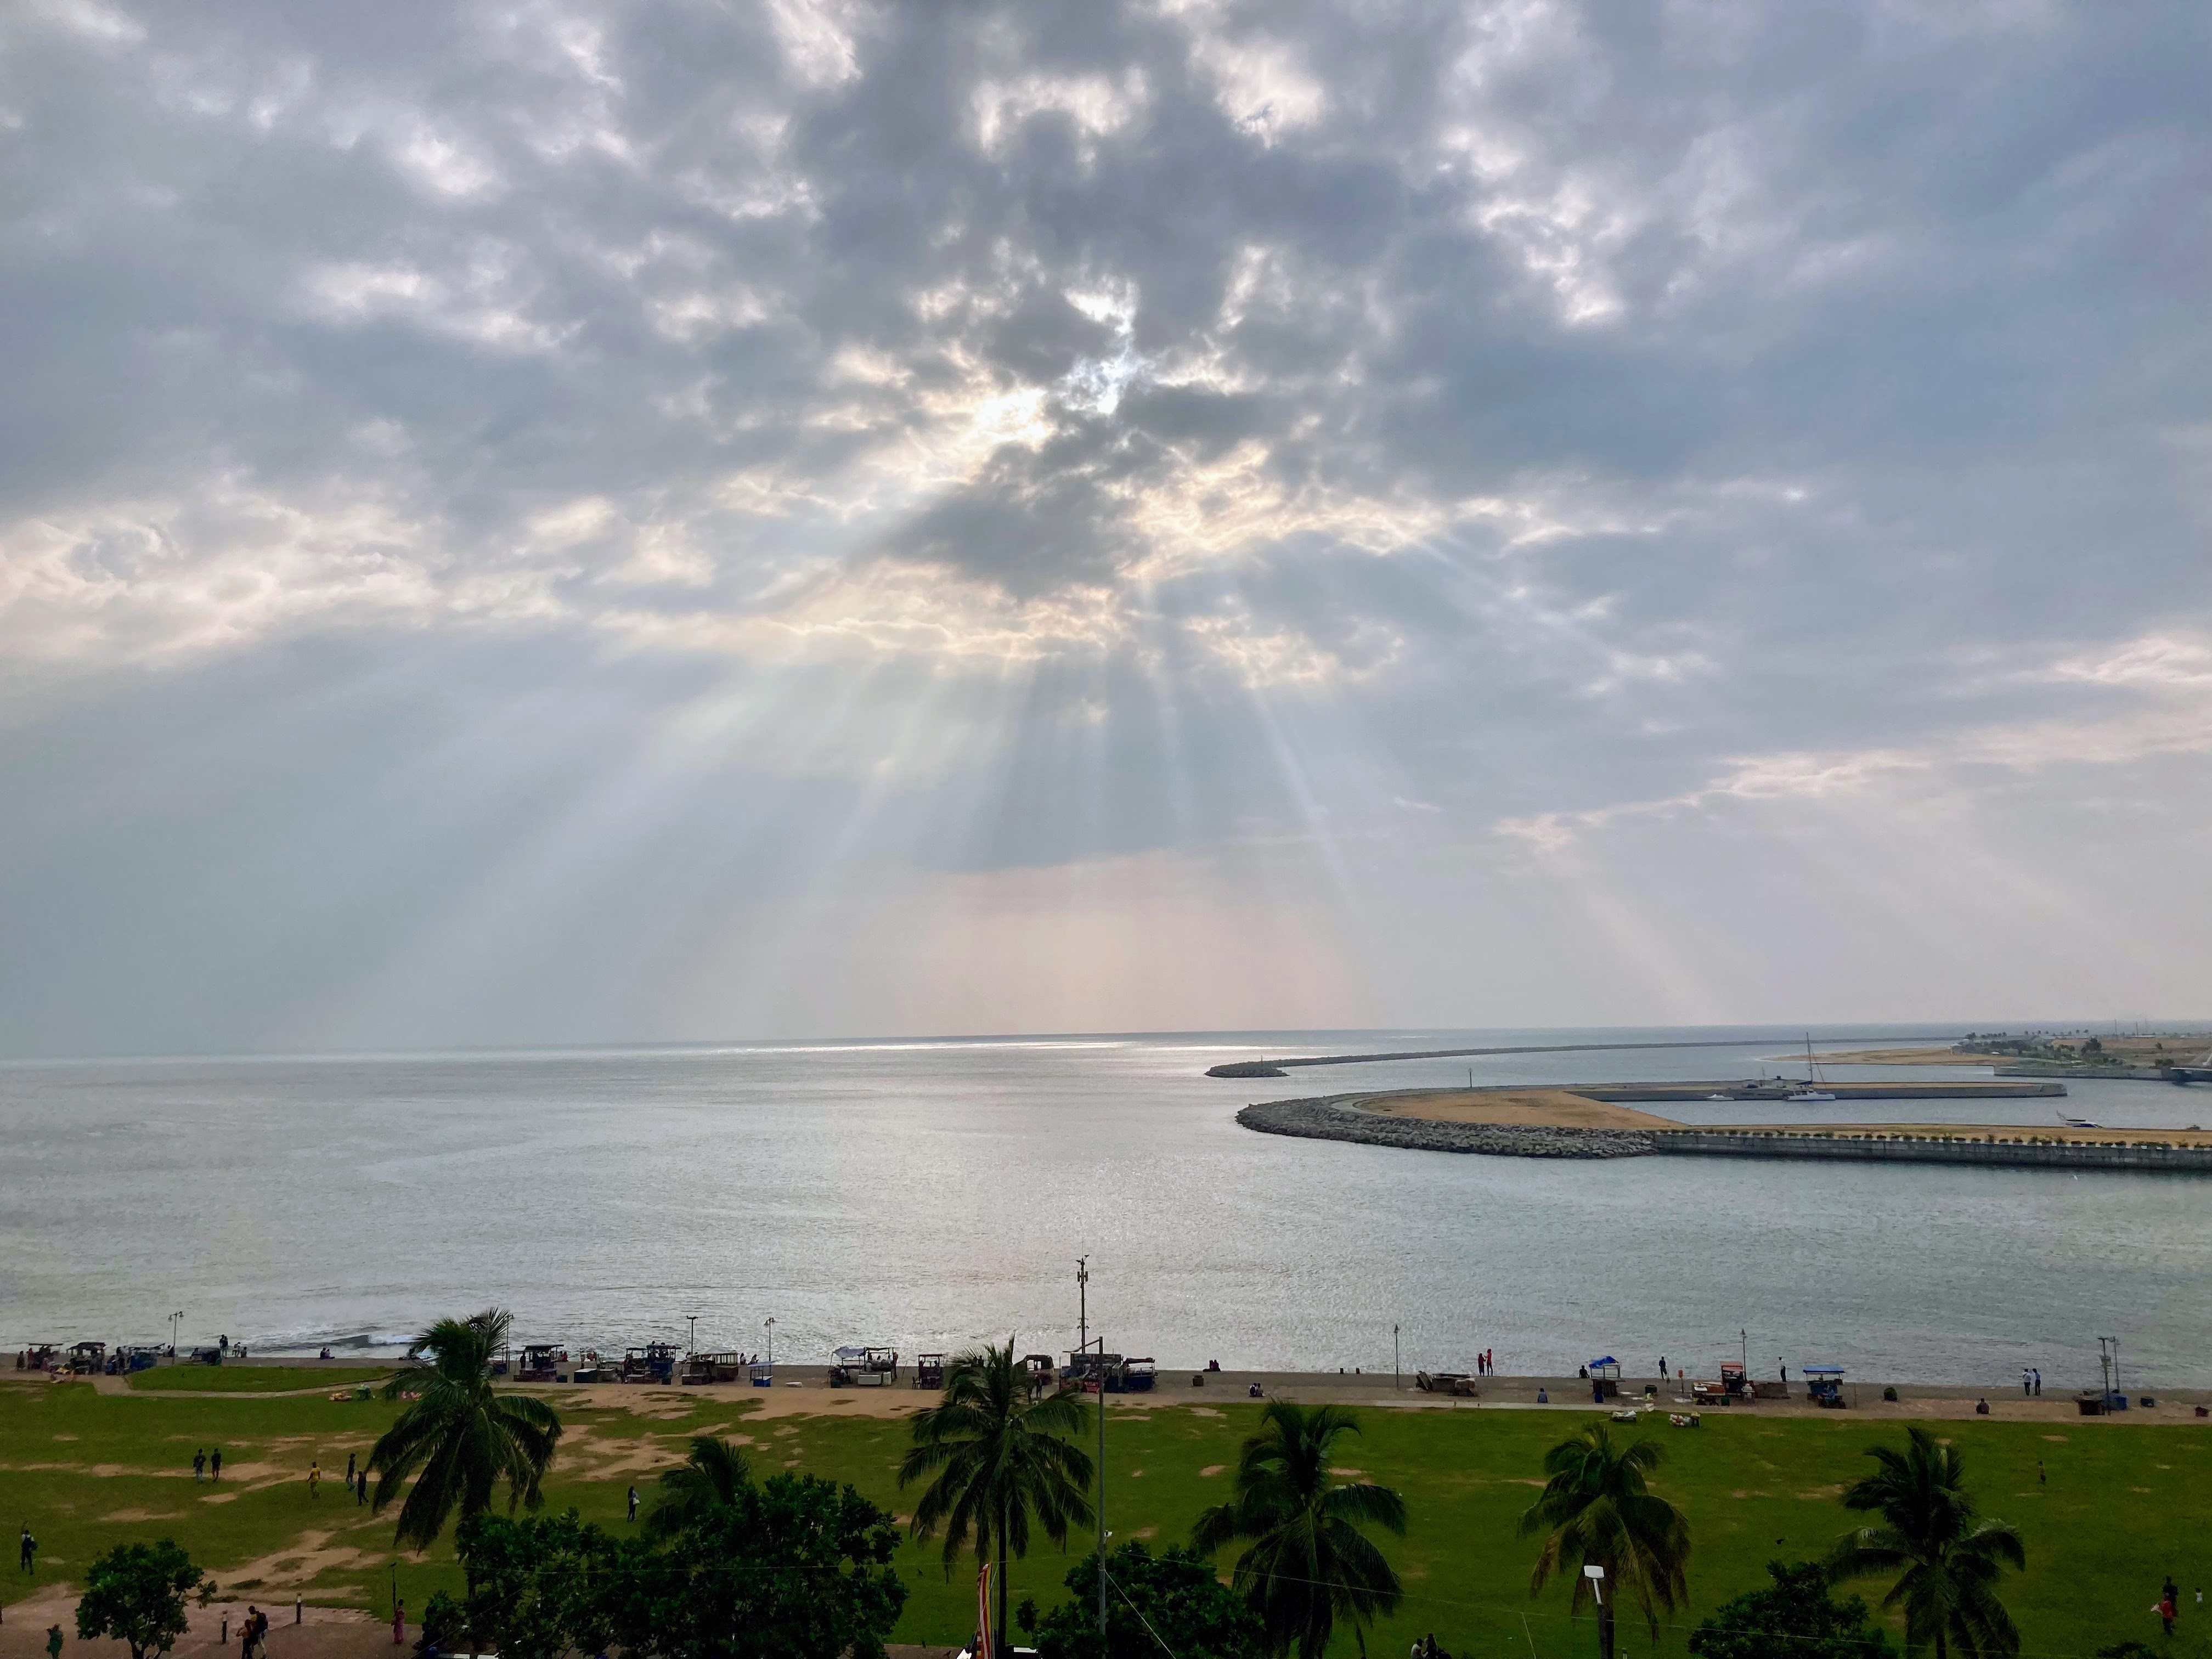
{"points": [[1948, 1559], [1597, 1509], [458, 1435], [1309, 1564], [1000, 1461], [708, 1479]]}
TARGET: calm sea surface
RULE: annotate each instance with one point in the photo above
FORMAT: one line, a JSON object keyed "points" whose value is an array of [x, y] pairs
{"points": [[927, 1194]]}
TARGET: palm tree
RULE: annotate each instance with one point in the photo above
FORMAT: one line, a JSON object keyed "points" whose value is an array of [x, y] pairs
{"points": [[1000, 1459], [1309, 1564], [1950, 1557], [460, 1437], [1597, 1509], [708, 1479]]}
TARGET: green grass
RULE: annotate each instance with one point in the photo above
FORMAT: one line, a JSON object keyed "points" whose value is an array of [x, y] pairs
{"points": [[2125, 1501], [255, 1379]]}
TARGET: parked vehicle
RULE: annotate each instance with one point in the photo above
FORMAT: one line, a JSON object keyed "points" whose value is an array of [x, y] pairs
{"points": [[88, 1359], [653, 1363], [541, 1362], [929, 1371], [1824, 1386], [852, 1367], [1453, 1382], [702, 1368]]}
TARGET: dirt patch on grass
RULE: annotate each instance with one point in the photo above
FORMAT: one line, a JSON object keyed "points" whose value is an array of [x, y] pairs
{"points": [[1211, 1470], [1822, 1494], [142, 1515]]}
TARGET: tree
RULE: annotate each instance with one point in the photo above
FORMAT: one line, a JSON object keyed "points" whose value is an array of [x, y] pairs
{"points": [[539, 1587], [1309, 1564], [794, 1568], [460, 1435], [1597, 1509], [1947, 1558], [708, 1479], [136, 1594], [1000, 1460], [1175, 1594], [1795, 1615]]}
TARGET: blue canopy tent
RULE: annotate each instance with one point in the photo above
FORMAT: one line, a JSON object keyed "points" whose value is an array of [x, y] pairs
{"points": [[1605, 1379], [1824, 1386]]}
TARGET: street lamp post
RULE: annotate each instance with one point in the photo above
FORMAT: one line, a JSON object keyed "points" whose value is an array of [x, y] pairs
{"points": [[1100, 1343], [1595, 1574], [691, 1342], [1396, 1370], [174, 1320], [771, 1341]]}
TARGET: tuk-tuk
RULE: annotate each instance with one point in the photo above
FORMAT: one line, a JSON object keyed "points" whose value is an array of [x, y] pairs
{"points": [[1735, 1387], [1138, 1375], [1824, 1386], [541, 1362], [593, 1369], [206, 1357], [763, 1377], [1091, 1372], [43, 1357], [852, 1367], [1604, 1379], [653, 1363], [929, 1371], [88, 1359]]}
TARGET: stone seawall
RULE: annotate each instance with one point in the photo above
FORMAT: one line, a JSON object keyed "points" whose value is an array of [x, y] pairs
{"points": [[2011, 1153], [1338, 1117]]}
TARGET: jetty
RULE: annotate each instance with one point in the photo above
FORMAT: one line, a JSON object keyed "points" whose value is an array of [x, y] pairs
{"points": [[1280, 1067], [1595, 1123]]}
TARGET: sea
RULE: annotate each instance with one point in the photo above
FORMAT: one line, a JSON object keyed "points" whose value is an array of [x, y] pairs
{"points": [[931, 1195]]}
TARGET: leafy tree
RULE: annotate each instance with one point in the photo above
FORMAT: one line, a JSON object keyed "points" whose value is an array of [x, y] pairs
{"points": [[1597, 1509], [135, 1593], [1000, 1460], [708, 1479], [795, 1567], [1795, 1615], [460, 1435], [1309, 1564], [538, 1587], [1175, 1594], [1947, 1558]]}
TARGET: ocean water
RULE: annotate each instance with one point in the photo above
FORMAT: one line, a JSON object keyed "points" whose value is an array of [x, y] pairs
{"points": [[931, 1194]]}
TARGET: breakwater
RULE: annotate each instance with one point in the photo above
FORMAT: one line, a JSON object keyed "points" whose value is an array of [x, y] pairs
{"points": [[1338, 1117], [1344, 1117], [2010, 1151], [1623, 1093], [1277, 1067]]}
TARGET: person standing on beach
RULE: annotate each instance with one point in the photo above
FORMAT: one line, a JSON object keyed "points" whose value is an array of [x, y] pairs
{"points": [[2038, 1383], [1662, 1368], [2024, 1387], [214, 1463]]}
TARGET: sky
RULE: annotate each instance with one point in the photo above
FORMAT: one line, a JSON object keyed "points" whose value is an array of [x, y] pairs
{"points": [[550, 522]]}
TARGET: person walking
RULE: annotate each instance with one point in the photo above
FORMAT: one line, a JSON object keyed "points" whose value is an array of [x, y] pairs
{"points": [[349, 1469], [2024, 1387], [360, 1489], [315, 1477], [249, 1633], [199, 1463], [1662, 1368], [2038, 1382], [53, 1642], [399, 1623], [27, 1555], [214, 1464], [2166, 1611], [633, 1503]]}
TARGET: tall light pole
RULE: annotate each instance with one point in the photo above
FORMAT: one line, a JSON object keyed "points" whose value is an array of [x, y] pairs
{"points": [[771, 1341], [1082, 1313], [1100, 1374], [174, 1319], [691, 1342]]}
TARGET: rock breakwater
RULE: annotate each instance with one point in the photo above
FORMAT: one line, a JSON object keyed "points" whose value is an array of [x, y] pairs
{"points": [[1340, 1117]]}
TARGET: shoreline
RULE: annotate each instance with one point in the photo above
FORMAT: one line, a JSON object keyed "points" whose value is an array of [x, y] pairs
{"points": [[804, 1390]]}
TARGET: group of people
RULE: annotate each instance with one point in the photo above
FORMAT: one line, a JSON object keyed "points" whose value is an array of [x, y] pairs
{"points": [[2031, 1380], [253, 1634], [205, 1463], [1486, 1364]]}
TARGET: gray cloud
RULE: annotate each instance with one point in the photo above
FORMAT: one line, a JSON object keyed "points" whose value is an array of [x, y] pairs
{"points": [[845, 461]]}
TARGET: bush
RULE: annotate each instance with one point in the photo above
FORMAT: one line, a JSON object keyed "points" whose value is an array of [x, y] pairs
{"points": [[1794, 1615], [1890, 1395], [1175, 1592]]}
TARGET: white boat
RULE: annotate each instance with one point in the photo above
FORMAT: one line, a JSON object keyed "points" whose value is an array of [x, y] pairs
{"points": [[1811, 1092]]}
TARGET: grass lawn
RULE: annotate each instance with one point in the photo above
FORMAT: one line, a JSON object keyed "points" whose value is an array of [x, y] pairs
{"points": [[253, 1379], [2122, 1504]]}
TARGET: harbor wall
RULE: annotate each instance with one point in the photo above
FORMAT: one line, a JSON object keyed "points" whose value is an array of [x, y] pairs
{"points": [[2006, 1151]]}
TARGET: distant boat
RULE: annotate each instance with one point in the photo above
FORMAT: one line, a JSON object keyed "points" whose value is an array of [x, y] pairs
{"points": [[1812, 1091], [2078, 1122]]}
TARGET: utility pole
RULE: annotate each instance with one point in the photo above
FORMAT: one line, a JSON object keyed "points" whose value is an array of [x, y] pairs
{"points": [[691, 1343], [1394, 1366], [1100, 1374], [771, 1341], [1083, 1314], [1743, 1342], [174, 1320]]}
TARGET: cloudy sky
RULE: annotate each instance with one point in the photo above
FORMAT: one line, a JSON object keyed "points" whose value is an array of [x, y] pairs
{"points": [[686, 518]]}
